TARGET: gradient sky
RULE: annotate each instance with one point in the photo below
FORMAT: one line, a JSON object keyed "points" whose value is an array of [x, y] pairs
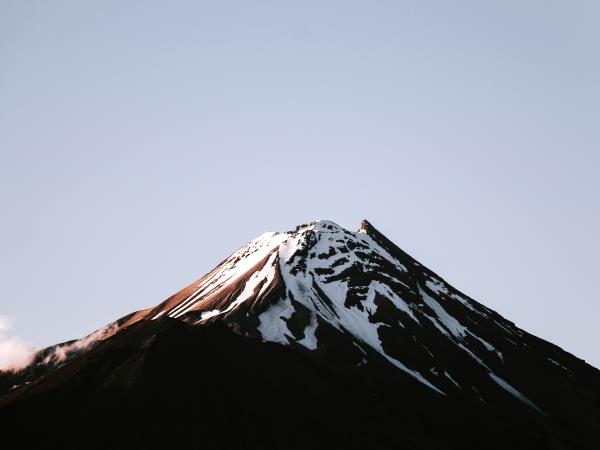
{"points": [[143, 142]]}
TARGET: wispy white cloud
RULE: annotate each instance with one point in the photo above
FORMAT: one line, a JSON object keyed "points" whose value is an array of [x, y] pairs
{"points": [[5, 324], [14, 352], [61, 352]]}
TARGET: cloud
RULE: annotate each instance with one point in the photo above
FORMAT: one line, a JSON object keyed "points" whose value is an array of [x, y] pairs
{"points": [[14, 352], [62, 352], [5, 324]]}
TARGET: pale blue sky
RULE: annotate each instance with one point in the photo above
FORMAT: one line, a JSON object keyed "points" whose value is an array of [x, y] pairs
{"points": [[142, 142]]}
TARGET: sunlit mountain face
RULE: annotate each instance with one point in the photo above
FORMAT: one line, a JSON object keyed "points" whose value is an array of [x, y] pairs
{"points": [[318, 337]]}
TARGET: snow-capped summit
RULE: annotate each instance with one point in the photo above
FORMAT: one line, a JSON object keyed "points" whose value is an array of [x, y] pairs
{"points": [[356, 309], [319, 282]]}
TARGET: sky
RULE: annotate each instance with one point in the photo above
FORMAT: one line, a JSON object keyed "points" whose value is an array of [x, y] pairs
{"points": [[143, 142]]}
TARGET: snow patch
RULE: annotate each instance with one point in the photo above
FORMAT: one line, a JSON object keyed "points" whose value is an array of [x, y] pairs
{"points": [[310, 339], [452, 380], [272, 326], [556, 363], [511, 390], [231, 269], [448, 325]]}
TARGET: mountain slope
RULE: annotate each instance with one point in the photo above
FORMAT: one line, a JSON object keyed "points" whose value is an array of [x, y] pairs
{"points": [[337, 333]]}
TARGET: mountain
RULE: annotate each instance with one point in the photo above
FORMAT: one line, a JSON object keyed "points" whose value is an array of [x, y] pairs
{"points": [[317, 337]]}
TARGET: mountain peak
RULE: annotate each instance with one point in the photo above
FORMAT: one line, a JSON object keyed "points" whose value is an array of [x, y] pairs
{"points": [[326, 225], [318, 225], [365, 227], [351, 306], [295, 287]]}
